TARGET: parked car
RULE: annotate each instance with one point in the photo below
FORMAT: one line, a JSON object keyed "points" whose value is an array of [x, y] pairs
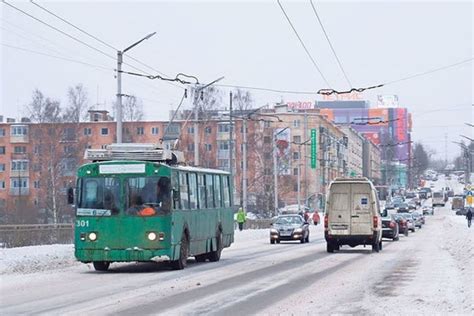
{"points": [[402, 224], [411, 205], [352, 215], [419, 219], [462, 212], [316, 218], [289, 227], [390, 228], [424, 193], [402, 208], [410, 221]]}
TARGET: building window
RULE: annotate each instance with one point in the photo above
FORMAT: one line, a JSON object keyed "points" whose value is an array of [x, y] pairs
{"points": [[87, 131], [266, 171], [2, 132], [36, 184], [267, 187], [19, 149], [19, 165], [267, 155], [190, 129], [104, 131], [266, 124], [69, 134], [296, 155], [37, 149], [19, 130], [36, 167], [2, 150], [103, 146], [295, 171], [208, 130], [208, 147], [19, 183], [191, 147], [224, 128], [297, 139], [2, 184], [154, 130], [267, 139], [295, 187], [2, 167], [140, 131], [223, 145]]}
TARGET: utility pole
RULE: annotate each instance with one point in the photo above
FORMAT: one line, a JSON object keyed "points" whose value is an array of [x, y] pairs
{"points": [[244, 165], [119, 85], [231, 136], [196, 128], [275, 168]]}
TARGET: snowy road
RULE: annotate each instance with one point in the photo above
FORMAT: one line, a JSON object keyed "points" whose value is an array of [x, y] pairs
{"points": [[428, 272]]}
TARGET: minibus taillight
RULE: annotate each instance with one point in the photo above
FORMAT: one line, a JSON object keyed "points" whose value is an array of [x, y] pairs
{"points": [[376, 221]]}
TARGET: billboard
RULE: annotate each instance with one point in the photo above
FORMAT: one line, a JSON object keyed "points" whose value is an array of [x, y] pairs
{"points": [[283, 139], [387, 101]]}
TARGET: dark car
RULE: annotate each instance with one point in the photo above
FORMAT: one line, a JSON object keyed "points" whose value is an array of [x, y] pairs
{"points": [[390, 228], [402, 224], [403, 208], [289, 227], [462, 212]]}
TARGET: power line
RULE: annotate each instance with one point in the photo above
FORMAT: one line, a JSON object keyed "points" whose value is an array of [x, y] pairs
{"points": [[302, 44], [101, 41], [330, 44], [57, 57], [58, 30], [430, 71]]}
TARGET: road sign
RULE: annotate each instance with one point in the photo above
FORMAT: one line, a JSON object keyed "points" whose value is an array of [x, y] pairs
{"points": [[314, 146]]}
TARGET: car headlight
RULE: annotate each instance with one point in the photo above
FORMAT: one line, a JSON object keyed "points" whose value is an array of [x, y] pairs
{"points": [[151, 236], [298, 230], [273, 231], [92, 236]]}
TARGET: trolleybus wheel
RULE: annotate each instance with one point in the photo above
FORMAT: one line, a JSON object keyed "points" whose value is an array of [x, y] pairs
{"points": [[101, 265], [216, 255], [180, 264], [200, 258]]}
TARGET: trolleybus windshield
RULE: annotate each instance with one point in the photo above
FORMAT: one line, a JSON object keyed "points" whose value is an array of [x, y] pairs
{"points": [[98, 196], [147, 196]]}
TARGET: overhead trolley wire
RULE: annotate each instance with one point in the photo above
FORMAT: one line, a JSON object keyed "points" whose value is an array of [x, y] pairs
{"points": [[104, 43], [330, 44], [302, 44]]}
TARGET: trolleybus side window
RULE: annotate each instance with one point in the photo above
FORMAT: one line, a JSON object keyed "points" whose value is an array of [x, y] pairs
{"points": [[193, 198], [226, 191], [217, 191], [175, 184], [202, 191], [209, 191], [183, 190]]}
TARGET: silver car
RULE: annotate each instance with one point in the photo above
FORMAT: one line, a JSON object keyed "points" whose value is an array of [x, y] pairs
{"points": [[410, 221]]}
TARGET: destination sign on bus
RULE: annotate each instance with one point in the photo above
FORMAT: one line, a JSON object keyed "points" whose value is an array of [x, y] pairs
{"points": [[93, 212], [123, 168]]}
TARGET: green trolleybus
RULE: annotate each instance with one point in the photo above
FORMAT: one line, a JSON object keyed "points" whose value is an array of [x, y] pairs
{"points": [[135, 202]]}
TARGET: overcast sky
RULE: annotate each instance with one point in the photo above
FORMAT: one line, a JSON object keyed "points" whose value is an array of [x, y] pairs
{"points": [[251, 44]]}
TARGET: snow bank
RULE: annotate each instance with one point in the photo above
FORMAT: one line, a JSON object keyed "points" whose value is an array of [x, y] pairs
{"points": [[36, 258]]}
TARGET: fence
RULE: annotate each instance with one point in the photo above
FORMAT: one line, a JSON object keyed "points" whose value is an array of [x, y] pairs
{"points": [[46, 234], [35, 234]]}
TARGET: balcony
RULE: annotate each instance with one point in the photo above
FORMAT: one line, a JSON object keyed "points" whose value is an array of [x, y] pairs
{"points": [[17, 139], [19, 191], [19, 173]]}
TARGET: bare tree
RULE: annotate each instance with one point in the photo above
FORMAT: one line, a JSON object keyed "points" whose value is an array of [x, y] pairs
{"points": [[44, 110], [78, 104], [242, 100], [132, 109]]}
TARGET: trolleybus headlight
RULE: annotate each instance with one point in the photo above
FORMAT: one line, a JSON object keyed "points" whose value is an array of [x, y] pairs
{"points": [[92, 236], [152, 236]]}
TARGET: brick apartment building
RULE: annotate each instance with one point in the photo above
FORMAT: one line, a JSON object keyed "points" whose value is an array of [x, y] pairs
{"points": [[38, 161]]}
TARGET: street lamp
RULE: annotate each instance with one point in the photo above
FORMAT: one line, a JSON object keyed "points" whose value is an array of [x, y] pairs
{"points": [[275, 169], [119, 84]]}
